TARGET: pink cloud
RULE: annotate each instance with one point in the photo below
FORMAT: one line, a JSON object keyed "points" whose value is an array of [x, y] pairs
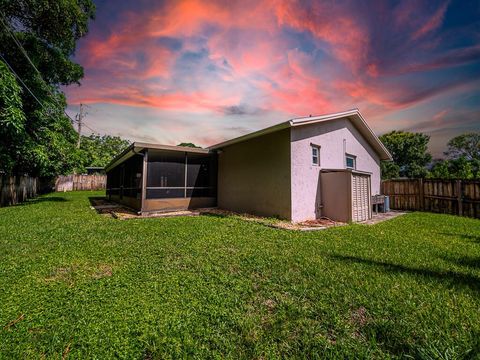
{"points": [[248, 59], [433, 23], [440, 114], [347, 38]]}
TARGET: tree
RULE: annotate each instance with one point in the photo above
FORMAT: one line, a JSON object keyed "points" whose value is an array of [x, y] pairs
{"points": [[466, 145], [461, 168], [189, 145], [100, 150], [440, 170], [47, 31], [409, 152], [12, 119], [389, 170]]}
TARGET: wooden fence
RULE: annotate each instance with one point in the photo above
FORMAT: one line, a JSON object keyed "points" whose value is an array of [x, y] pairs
{"points": [[15, 189], [80, 182], [458, 197]]}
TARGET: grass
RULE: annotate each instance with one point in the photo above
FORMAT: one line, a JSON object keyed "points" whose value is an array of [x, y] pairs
{"points": [[74, 284]]}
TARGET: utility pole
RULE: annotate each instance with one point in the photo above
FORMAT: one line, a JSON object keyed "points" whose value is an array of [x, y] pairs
{"points": [[79, 120]]}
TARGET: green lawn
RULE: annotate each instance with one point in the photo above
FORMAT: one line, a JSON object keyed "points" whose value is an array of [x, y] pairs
{"points": [[95, 287]]}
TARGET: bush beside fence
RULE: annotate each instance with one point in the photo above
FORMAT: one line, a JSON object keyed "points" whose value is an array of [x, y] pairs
{"points": [[457, 197], [15, 189]]}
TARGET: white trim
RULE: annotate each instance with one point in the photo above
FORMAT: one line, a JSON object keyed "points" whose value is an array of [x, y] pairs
{"points": [[354, 115], [354, 158], [316, 147]]}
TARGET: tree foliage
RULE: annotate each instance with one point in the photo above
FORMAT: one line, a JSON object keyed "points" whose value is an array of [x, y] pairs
{"points": [[40, 139], [460, 168], [463, 160], [189, 144], [100, 150], [389, 170], [409, 152], [464, 146], [12, 118]]}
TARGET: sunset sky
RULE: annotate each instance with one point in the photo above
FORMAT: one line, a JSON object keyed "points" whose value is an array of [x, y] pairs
{"points": [[205, 71]]}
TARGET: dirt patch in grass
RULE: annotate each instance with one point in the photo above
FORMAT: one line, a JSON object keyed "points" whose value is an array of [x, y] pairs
{"points": [[270, 304], [14, 322], [72, 274], [103, 270], [62, 274], [359, 316]]}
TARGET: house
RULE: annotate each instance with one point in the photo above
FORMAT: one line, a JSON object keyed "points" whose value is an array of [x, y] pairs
{"points": [[95, 170], [301, 169]]}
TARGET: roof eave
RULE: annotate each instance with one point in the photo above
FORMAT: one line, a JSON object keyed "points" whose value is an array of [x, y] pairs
{"points": [[382, 151], [269, 130], [129, 151], [373, 139], [138, 147]]}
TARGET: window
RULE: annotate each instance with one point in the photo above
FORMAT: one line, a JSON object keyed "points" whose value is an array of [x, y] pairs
{"points": [[315, 155], [350, 161]]}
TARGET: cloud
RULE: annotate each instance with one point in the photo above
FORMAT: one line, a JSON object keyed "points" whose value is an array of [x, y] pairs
{"points": [[440, 114], [432, 23], [258, 61], [241, 109]]}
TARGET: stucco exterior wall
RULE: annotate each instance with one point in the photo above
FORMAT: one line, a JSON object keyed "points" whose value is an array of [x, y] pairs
{"points": [[254, 176], [335, 138]]}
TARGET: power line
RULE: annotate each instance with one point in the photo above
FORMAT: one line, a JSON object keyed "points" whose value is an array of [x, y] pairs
{"points": [[42, 105], [21, 81], [24, 52], [15, 39], [85, 125]]}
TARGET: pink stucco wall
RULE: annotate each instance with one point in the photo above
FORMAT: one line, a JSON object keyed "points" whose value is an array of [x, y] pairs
{"points": [[335, 138]]}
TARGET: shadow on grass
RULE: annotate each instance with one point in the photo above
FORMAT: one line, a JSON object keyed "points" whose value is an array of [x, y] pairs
{"points": [[444, 277], [473, 238], [466, 261], [42, 200]]}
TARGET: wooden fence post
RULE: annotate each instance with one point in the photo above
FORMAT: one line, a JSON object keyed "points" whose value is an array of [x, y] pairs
{"points": [[459, 197], [1, 190], [421, 195]]}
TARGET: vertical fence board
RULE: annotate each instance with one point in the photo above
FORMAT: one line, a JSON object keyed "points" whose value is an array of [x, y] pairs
{"points": [[16, 189], [457, 197], [80, 182]]}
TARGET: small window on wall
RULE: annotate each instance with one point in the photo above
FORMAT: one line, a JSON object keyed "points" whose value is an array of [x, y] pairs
{"points": [[350, 161], [315, 155]]}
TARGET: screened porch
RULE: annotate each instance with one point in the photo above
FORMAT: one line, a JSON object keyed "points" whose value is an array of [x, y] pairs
{"points": [[151, 178]]}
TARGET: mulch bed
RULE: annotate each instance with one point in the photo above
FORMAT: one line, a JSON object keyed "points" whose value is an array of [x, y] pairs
{"points": [[117, 211]]}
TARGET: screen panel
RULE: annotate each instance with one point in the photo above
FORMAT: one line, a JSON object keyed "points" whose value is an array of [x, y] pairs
{"points": [[179, 175], [166, 169], [199, 171], [165, 193]]}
